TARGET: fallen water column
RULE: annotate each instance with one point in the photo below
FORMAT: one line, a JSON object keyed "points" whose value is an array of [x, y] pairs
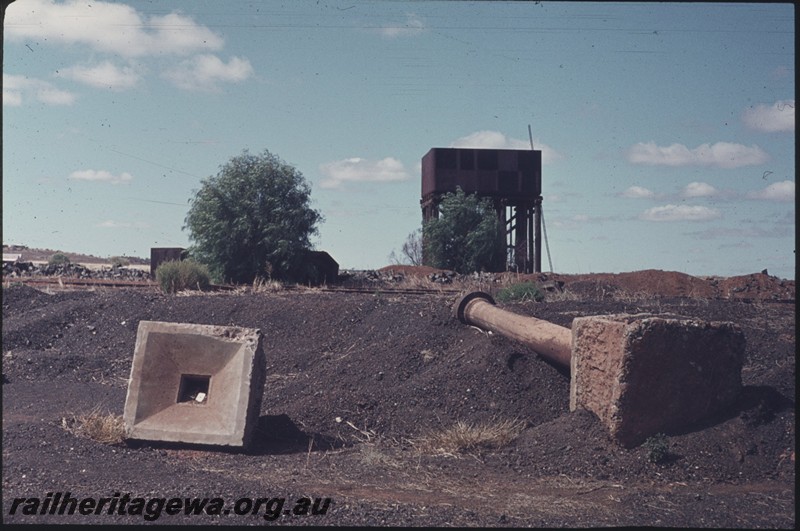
{"points": [[641, 374]]}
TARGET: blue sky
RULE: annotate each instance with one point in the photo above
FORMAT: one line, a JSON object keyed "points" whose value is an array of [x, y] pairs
{"points": [[667, 130]]}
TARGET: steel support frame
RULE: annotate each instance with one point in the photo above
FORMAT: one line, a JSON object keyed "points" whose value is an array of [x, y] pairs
{"points": [[522, 222], [523, 227]]}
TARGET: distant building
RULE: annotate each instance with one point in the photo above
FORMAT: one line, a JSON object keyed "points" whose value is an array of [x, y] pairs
{"points": [[322, 268]]}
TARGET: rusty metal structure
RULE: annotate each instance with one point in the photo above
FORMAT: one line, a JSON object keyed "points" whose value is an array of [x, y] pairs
{"points": [[159, 255], [323, 269], [510, 178]]}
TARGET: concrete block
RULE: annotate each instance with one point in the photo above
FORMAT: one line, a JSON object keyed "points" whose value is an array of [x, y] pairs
{"points": [[195, 384], [644, 374]]}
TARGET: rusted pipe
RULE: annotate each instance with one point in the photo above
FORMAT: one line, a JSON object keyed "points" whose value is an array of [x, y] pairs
{"points": [[625, 368], [549, 340]]}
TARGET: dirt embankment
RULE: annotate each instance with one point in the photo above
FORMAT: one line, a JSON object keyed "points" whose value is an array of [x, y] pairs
{"points": [[634, 284], [356, 382]]}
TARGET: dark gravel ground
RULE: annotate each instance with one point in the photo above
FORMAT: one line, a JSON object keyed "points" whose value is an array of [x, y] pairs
{"points": [[354, 381]]}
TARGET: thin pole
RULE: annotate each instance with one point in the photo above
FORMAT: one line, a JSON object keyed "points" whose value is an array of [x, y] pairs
{"points": [[530, 136], [534, 245], [546, 245]]}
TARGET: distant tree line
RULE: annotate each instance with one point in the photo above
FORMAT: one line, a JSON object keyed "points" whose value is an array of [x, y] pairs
{"points": [[253, 220]]}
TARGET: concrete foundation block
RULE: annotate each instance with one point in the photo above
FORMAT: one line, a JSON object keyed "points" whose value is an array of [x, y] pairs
{"points": [[644, 374], [195, 384]]}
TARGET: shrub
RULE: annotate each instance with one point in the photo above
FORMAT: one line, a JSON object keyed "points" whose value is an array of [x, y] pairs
{"points": [[657, 448], [58, 259], [467, 236], [103, 428], [462, 437], [119, 261], [179, 275], [524, 291]]}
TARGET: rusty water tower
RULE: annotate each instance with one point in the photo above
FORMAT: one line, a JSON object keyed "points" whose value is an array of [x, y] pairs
{"points": [[510, 178]]}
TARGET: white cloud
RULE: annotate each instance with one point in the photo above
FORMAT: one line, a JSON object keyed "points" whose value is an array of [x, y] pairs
{"points": [[497, 140], [16, 89], [778, 117], [739, 233], [100, 176], [720, 154], [697, 189], [11, 98], [637, 192], [111, 224], [54, 96], [489, 140], [103, 75], [580, 220], [362, 170], [680, 213], [181, 35], [414, 25], [204, 72], [117, 28], [108, 27], [782, 191]]}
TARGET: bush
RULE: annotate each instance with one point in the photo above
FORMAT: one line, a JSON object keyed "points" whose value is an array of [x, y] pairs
{"points": [[524, 291], [58, 259], [104, 428], [465, 438], [657, 448], [179, 275], [119, 261], [467, 236]]}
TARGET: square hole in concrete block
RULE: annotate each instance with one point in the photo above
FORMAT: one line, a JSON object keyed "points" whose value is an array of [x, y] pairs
{"points": [[193, 389], [175, 364]]}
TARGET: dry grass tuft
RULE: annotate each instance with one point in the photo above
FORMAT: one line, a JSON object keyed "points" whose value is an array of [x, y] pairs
{"points": [[371, 455], [562, 296], [259, 285], [464, 438], [262, 285], [104, 428], [196, 293]]}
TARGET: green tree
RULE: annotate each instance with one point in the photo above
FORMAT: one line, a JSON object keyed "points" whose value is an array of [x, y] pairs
{"points": [[252, 220], [467, 236]]}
